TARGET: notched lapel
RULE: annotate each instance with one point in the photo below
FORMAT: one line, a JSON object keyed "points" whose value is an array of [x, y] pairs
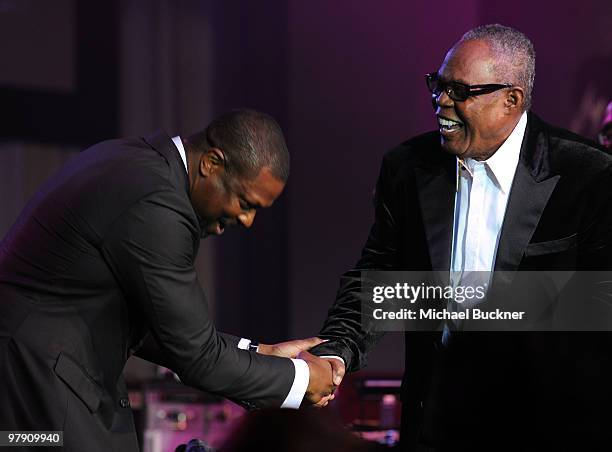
{"points": [[436, 187], [531, 189], [527, 201]]}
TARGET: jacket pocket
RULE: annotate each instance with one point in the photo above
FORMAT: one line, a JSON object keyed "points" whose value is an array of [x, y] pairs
{"points": [[552, 246], [77, 379]]}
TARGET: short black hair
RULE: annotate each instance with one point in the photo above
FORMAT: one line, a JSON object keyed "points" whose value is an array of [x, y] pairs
{"points": [[250, 140]]}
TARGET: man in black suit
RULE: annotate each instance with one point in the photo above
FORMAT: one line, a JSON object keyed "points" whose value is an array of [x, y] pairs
{"points": [[494, 188], [100, 265]]}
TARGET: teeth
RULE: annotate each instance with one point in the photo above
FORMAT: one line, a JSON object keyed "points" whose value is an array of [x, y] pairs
{"points": [[448, 123]]}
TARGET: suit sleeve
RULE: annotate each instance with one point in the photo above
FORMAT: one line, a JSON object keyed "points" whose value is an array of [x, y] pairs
{"points": [[343, 327], [150, 249], [149, 350]]}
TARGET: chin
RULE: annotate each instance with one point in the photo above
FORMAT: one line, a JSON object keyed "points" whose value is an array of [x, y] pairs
{"points": [[454, 147], [207, 230], [454, 150]]}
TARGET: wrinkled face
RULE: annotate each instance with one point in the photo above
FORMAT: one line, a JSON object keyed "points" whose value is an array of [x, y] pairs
{"points": [[222, 201], [477, 126]]}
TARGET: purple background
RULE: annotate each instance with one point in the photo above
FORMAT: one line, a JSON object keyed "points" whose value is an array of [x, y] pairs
{"points": [[344, 79]]}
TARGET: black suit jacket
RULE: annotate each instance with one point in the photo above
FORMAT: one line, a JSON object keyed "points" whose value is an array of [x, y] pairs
{"points": [[493, 390], [101, 258]]}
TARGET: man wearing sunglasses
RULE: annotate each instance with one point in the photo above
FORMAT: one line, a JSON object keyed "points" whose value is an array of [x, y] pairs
{"points": [[493, 188]]}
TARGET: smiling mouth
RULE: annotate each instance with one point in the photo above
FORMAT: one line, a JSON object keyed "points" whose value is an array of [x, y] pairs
{"points": [[448, 126]]}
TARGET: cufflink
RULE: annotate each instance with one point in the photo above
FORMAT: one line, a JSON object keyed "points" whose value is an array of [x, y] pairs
{"points": [[254, 346]]}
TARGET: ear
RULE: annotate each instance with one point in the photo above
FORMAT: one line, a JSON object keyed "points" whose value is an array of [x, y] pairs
{"points": [[211, 161], [515, 99]]}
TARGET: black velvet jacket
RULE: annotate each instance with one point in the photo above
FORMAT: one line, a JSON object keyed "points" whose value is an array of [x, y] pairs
{"points": [[487, 387]]}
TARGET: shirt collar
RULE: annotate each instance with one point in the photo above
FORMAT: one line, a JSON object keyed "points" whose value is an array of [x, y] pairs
{"points": [[502, 164], [181, 149]]}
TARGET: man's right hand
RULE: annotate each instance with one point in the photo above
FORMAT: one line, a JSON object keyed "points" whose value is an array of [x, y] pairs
{"points": [[320, 384], [289, 349]]}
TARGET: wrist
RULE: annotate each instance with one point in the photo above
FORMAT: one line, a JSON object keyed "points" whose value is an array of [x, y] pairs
{"points": [[264, 349]]}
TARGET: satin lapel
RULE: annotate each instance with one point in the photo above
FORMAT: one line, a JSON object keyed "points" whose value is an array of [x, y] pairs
{"points": [[436, 186], [527, 201], [530, 192]]}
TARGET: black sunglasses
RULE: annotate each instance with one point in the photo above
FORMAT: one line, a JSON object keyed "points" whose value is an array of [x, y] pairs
{"points": [[458, 91]]}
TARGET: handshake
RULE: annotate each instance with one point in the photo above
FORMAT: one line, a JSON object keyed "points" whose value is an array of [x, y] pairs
{"points": [[325, 373]]}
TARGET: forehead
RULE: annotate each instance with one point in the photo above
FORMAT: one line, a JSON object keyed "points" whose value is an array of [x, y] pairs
{"points": [[469, 62], [262, 190]]}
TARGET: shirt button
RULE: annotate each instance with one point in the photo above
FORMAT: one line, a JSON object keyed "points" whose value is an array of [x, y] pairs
{"points": [[124, 402]]}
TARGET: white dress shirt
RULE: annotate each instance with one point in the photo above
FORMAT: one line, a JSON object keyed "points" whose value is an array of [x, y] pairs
{"points": [[483, 189], [302, 373], [480, 204]]}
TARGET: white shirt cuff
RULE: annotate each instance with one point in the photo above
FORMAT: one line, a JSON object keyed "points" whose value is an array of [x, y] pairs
{"points": [[300, 384], [244, 344]]}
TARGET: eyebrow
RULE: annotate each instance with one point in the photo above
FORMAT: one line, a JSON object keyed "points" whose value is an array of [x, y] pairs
{"points": [[459, 80]]}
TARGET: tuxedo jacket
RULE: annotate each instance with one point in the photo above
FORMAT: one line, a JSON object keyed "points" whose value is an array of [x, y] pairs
{"points": [[484, 388], [100, 261]]}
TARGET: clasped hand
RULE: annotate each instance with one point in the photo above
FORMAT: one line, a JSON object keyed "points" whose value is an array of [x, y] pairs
{"points": [[325, 373]]}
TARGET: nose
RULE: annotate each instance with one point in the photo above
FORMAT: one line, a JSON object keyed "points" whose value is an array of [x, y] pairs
{"points": [[246, 219], [442, 99]]}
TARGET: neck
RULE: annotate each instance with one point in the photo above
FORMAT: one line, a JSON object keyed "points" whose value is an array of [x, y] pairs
{"points": [[485, 155]]}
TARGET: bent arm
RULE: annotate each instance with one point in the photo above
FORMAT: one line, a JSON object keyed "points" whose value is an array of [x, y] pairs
{"points": [[151, 250], [348, 338]]}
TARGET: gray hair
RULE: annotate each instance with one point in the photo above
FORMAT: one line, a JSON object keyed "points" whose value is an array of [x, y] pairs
{"points": [[515, 54], [250, 140]]}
